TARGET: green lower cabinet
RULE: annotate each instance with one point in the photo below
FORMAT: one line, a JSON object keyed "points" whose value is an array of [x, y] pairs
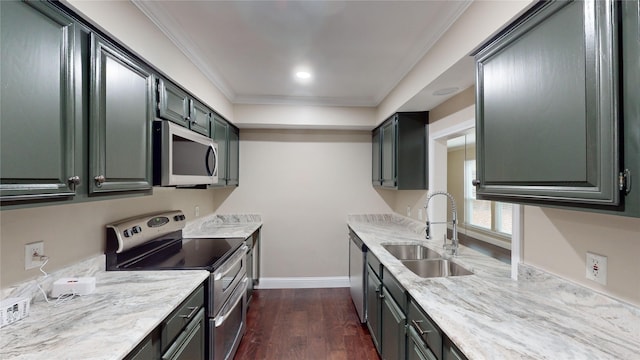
{"points": [[120, 121], [416, 348], [393, 328], [425, 333], [451, 352], [374, 307], [37, 131]]}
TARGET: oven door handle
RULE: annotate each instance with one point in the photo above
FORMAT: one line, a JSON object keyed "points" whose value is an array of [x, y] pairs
{"points": [[240, 254], [220, 319]]}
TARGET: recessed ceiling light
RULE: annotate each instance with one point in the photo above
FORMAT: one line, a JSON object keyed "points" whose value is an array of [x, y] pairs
{"points": [[303, 75], [445, 91]]}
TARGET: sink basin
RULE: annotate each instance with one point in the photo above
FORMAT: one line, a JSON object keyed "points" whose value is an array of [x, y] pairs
{"points": [[411, 252], [429, 268]]}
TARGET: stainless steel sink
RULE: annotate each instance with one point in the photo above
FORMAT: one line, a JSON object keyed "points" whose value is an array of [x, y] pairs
{"points": [[411, 252], [429, 268]]}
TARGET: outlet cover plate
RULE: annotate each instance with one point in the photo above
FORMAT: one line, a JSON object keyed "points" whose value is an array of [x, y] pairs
{"points": [[597, 268], [34, 248]]}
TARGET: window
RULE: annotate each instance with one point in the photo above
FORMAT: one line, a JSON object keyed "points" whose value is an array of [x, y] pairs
{"points": [[488, 215]]}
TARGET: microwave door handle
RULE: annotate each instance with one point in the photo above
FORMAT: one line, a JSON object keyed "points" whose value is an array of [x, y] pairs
{"points": [[211, 151]]}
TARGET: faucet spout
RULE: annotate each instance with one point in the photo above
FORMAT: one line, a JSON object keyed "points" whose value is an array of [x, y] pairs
{"points": [[454, 221]]}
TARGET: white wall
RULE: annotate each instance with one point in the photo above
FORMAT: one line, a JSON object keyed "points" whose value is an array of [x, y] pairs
{"points": [[301, 116], [304, 183], [558, 240], [474, 26], [74, 232]]}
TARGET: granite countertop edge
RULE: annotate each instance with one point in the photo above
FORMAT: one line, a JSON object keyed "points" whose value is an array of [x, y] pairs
{"points": [[488, 315], [104, 325]]}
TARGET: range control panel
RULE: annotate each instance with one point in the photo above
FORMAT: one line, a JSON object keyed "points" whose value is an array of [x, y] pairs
{"points": [[131, 232]]}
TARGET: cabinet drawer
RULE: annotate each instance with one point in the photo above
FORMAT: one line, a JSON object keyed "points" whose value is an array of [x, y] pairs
{"points": [[175, 322], [374, 263], [395, 289], [425, 328]]}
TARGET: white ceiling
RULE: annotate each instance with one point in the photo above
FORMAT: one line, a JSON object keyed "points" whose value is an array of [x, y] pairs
{"points": [[358, 51]]}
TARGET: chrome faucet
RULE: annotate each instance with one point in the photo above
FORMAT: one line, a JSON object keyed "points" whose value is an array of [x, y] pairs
{"points": [[454, 221]]}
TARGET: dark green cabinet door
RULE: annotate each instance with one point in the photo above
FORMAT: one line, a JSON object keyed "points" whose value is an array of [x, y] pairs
{"points": [[374, 291], [631, 102], [546, 102], [450, 351], [173, 103], [393, 328], [416, 347], [219, 134], [376, 174], [37, 102], [120, 122], [399, 152], [199, 118], [234, 156], [388, 153]]}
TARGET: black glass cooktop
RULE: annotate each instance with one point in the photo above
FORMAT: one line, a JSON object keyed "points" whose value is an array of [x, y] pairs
{"points": [[176, 254]]}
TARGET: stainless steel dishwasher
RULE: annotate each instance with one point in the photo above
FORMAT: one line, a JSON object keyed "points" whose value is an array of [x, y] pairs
{"points": [[358, 274]]}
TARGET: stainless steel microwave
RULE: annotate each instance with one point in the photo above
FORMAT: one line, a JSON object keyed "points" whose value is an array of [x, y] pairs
{"points": [[182, 157]]}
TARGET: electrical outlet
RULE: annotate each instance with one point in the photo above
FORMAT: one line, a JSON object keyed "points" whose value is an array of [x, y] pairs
{"points": [[408, 210], [419, 214], [597, 268], [32, 253], [196, 210]]}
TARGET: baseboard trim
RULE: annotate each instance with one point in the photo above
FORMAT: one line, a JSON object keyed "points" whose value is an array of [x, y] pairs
{"points": [[303, 282]]}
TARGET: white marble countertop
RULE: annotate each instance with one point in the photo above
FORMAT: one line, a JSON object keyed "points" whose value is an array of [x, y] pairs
{"points": [[223, 226], [107, 324], [490, 316]]}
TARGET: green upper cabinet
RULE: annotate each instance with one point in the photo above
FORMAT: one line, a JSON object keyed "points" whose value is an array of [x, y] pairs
{"points": [[388, 154], [37, 110], [233, 167], [175, 104], [200, 117], [227, 137], [219, 134], [547, 107], [399, 152], [120, 121], [630, 100], [376, 172]]}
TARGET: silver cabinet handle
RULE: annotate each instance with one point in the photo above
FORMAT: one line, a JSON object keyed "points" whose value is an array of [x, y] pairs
{"points": [[475, 182], [193, 309], [99, 180], [74, 181], [416, 326]]}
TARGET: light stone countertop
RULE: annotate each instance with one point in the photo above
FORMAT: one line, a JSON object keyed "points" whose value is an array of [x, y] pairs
{"points": [[104, 325], [490, 316], [223, 226]]}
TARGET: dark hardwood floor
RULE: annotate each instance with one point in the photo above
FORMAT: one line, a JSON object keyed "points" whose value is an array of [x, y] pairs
{"points": [[301, 324]]}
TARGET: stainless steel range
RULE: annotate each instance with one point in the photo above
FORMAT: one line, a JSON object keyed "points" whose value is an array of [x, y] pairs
{"points": [[155, 242]]}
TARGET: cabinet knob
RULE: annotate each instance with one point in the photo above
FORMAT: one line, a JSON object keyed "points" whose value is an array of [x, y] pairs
{"points": [[475, 182], [99, 180], [74, 181]]}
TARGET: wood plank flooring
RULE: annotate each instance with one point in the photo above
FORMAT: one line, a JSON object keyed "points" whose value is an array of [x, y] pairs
{"points": [[313, 324]]}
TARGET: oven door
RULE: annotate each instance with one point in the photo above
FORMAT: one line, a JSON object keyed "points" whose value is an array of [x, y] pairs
{"points": [[226, 278], [227, 328]]}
